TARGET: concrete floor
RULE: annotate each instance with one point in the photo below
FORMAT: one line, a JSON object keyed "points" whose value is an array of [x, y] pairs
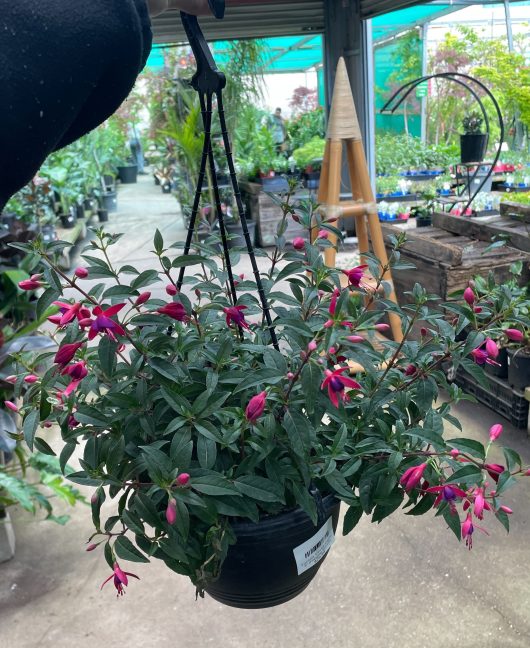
{"points": [[405, 583]]}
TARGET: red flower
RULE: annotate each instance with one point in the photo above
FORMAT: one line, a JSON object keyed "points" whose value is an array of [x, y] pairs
{"points": [[336, 384], [234, 314], [447, 493], [175, 310], [66, 353], [120, 579], [104, 324], [355, 275], [29, 284], [68, 312], [255, 407], [494, 471]]}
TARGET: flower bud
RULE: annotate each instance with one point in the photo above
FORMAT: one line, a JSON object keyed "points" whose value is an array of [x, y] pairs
{"points": [[355, 338], [183, 479], [11, 406], [454, 453], [91, 547], [171, 290], [495, 431], [506, 509], [382, 327], [31, 379], [514, 335], [312, 346], [477, 309], [322, 234], [469, 296], [423, 331], [66, 353], [81, 273], [197, 293], [328, 324], [95, 497], [492, 348], [255, 407], [410, 370], [298, 243], [47, 424], [29, 284], [171, 511], [10, 379], [36, 277], [332, 351], [142, 298], [290, 375]]}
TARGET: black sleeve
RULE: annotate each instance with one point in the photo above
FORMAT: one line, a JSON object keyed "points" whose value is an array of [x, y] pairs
{"points": [[65, 67]]}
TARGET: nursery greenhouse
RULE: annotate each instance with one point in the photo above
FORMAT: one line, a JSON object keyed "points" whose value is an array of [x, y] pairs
{"points": [[265, 323]]}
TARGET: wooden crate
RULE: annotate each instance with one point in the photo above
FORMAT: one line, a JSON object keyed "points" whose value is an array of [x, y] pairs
{"points": [[445, 261], [267, 214]]}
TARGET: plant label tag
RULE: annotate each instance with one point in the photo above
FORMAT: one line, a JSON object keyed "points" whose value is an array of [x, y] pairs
{"points": [[314, 549]]}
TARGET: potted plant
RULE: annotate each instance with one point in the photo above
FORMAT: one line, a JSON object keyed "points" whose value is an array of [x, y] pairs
{"points": [[223, 441], [473, 142], [308, 158]]}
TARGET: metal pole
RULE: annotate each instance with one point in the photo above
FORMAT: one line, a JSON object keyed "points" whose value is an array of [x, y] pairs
{"points": [[367, 55], [509, 32], [424, 64]]}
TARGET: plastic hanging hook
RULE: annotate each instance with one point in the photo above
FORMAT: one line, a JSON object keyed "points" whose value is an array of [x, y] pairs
{"points": [[208, 79]]}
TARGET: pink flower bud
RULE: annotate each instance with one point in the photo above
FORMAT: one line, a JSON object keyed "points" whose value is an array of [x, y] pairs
{"points": [[323, 234], [11, 380], [328, 324], [423, 331], [412, 476], [197, 293], [495, 431], [11, 406], [469, 296], [514, 335], [527, 473], [477, 309], [382, 327], [95, 498], [29, 284], [296, 218], [410, 370], [171, 511], [183, 479], [31, 379], [332, 351], [47, 424], [255, 407], [290, 375], [355, 338], [82, 273], [91, 547], [36, 277], [312, 346], [67, 353], [55, 319], [171, 290], [506, 509], [491, 348], [142, 298], [298, 243]]}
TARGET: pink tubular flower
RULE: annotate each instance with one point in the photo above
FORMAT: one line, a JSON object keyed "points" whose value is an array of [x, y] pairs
{"points": [[299, 243], [355, 275], [234, 314], [29, 284], [467, 531], [514, 335], [171, 290], [412, 476], [66, 353], [31, 379], [120, 579], [333, 302], [491, 348], [10, 379], [77, 371], [68, 311], [142, 298], [171, 511], [322, 234], [506, 509], [469, 296], [447, 493], [355, 338], [481, 357], [11, 406], [480, 503], [336, 384], [183, 479], [495, 431], [382, 327], [256, 407], [175, 310], [81, 273], [494, 471], [104, 324]]}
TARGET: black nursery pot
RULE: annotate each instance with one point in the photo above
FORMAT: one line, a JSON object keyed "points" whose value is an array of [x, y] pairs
{"points": [[518, 370], [103, 215], [128, 174], [473, 147], [261, 570], [68, 220], [109, 201]]}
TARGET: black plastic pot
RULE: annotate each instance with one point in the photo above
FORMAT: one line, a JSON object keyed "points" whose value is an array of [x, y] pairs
{"points": [[423, 221], [109, 180], [103, 215], [48, 233], [312, 180], [518, 369], [473, 147], [128, 174], [109, 201], [236, 230], [88, 204], [502, 370], [69, 220], [157, 180], [166, 188], [80, 211], [260, 570]]}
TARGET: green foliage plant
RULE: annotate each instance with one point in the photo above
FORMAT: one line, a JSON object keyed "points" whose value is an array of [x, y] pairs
{"points": [[187, 417]]}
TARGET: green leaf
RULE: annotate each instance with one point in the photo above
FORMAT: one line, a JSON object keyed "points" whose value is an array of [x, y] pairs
{"points": [[206, 452], [18, 490], [166, 369], [474, 448], [260, 488], [305, 501], [425, 393], [504, 519], [513, 459], [144, 279], [311, 380], [425, 504], [297, 428], [125, 550], [505, 481], [133, 522], [158, 464], [31, 423], [107, 355], [466, 475], [453, 522], [158, 242], [351, 519], [45, 301], [212, 484], [147, 510], [43, 447], [264, 377]]}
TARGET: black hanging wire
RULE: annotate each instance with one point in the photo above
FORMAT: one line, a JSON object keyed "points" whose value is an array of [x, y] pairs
{"points": [[208, 81]]}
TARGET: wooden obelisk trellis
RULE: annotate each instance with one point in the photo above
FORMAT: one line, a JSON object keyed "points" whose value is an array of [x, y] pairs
{"points": [[343, 129]]}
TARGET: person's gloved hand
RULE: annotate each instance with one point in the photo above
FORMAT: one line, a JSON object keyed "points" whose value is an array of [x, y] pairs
{"points": [[65, 67]]}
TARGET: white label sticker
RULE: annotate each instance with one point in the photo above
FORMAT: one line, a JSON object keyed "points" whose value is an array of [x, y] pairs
{"points": [[309, 553]]}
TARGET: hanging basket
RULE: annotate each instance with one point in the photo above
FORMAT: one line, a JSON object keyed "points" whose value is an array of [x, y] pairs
{"points": [[274, 560]]}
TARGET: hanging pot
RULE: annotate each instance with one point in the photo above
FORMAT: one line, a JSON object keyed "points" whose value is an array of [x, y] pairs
{"points": [[473, 147], [275, 560], [518, 369]]}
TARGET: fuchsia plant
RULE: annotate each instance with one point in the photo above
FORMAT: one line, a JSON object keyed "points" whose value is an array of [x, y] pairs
{"points": [[188, 417]]}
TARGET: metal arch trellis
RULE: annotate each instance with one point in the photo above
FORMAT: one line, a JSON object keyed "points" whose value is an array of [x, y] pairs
{"points": [[457, 77], [208, 82]]}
